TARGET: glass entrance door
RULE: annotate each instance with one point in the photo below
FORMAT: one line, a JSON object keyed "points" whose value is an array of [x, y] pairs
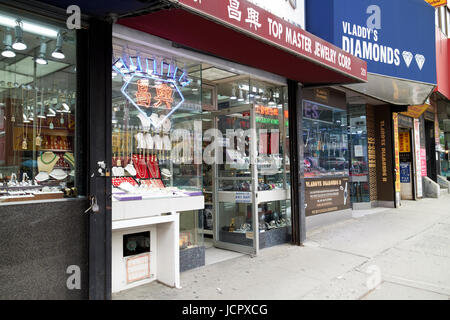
{"points": [[235, 180]]}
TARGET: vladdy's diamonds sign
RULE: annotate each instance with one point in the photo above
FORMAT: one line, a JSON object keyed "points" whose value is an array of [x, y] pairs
{"points": [[395, 37]]}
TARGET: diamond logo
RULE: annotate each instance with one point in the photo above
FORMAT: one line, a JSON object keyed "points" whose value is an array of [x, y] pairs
{"points": [[407, 56], [420, 59], [169, 92]]}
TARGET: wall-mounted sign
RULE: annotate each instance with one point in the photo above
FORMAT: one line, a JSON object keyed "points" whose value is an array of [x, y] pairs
{"points": [[423, 161], [415, 111], [437, 3], [396, 153], [418, 160], [405, 173], [259, 23], [326, 195], [289, 10], [404, 142], [385, 33]]}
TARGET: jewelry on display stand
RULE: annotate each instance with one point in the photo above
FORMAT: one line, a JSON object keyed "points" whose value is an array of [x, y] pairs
{"points": [[47, 161]]}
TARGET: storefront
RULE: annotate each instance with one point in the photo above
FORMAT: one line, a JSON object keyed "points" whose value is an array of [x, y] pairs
{"points": [[193, 137], [234, 150], [401, 62]]}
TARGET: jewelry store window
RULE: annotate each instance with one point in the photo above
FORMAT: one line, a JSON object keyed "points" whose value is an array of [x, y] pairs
{"points": [[326, 154], [37, 110], [157, 132]]}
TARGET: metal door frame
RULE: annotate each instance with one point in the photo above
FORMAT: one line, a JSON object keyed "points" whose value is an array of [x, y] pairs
{"points": [[254, 250]]}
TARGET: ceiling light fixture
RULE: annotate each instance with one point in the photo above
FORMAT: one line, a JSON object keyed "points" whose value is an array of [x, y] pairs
{"points": [[58, 53], [19, 44], [10, 22], [7, 51], [41, 58]]}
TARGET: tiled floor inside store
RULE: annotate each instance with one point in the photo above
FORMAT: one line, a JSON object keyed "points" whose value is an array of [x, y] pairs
{"points": [[215, 255]]}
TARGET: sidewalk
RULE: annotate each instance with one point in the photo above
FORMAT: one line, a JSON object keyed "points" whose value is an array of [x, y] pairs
{"points": [[408, 249]]}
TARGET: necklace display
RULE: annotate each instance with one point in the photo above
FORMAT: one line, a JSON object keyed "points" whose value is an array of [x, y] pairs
{"points": [[47, 161]]}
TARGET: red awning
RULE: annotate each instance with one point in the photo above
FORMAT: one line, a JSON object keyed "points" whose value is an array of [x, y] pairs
{"points": [[219, 38]]}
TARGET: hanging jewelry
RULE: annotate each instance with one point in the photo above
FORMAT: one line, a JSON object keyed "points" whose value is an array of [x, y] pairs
{"points": [[39, 130], [24, 134], [119, 161], [13, 110]]}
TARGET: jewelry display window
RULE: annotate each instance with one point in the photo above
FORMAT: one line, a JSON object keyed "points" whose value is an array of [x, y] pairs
{"points": [[157, 130], [156, 119], [325, 140], [37, 108]]}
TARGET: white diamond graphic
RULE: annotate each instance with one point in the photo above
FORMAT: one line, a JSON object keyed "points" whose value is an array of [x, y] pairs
{"points": [[156, 122], [407, 56], [420, 59]]}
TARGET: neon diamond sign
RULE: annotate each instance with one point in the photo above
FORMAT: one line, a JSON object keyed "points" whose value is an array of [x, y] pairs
{"points": [[152, 89]]}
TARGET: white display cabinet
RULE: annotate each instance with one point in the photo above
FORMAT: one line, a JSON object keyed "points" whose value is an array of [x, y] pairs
{"points": [[161, 218]]}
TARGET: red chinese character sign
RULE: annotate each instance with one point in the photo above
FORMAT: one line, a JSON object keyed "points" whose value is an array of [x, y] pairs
{"points": [[259, 23], [154, 88]]}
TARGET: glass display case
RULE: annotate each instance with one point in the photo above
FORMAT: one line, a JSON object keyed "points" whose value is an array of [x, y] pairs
{"points": [[251, 186], [157, 133], [37, 110]]}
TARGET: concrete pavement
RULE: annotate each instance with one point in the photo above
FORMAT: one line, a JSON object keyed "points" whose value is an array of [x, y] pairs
{"points": [[378, 254]]}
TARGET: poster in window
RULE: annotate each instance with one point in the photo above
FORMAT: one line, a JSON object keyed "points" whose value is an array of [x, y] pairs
{"points": [[326, 195]]}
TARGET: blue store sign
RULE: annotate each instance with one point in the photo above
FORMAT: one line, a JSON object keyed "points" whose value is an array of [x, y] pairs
{"points": [[405, 173], [395, 37]]}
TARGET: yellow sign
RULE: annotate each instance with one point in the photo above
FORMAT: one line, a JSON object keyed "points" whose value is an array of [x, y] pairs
{"points": [[437, 3], [415, 111], [404, 142], [397, 153]]}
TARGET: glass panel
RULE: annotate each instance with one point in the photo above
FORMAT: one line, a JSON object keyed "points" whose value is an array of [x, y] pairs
{"points": [[37, 110], [235, 223], [157, 129], [270, 127], [190, 226], [359, 167], [325, 140], [274, 217]]}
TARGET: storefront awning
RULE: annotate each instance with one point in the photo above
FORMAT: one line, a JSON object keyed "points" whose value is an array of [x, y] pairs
{"points": [[273, 44]]}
